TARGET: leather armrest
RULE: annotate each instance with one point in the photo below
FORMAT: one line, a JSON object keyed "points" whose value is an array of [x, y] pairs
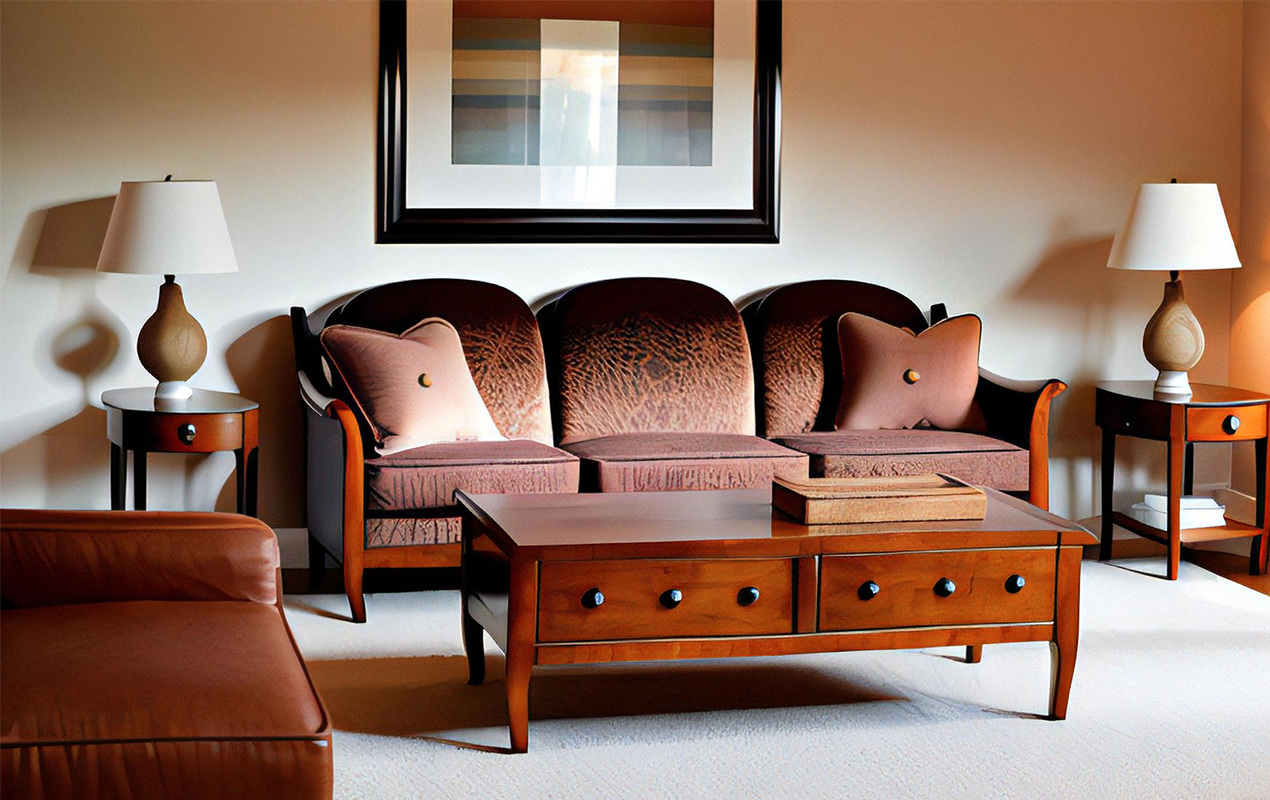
{"points": [[66, 557], [1019, 413]]}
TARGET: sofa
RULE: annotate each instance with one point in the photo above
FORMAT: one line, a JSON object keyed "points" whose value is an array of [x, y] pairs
{"points": [[369, 510], [797, 363], [146, 655], [652, 386]]}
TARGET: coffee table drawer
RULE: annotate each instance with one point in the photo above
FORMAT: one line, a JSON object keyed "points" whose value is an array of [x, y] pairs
{"points": [[658, 599], [961, 587]]}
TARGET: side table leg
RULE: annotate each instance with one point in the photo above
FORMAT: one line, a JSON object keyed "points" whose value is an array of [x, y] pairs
{"points": [[1108, 492], [139, 480], [473, 636], [522, 621], [240, 481], [1066, 630], [118, 477], [974, 653], [253, 480], [1175, 470], [1260, 552]]}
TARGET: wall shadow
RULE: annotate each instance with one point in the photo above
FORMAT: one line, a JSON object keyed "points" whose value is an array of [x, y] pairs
{"points": [[262, 363], [71, 236]]}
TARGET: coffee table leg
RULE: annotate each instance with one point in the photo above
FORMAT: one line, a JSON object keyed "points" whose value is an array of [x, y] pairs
{"points": [[974, 653], [1066, 630], [522, 622]]}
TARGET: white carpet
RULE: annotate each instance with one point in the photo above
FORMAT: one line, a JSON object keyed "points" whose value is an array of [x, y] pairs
{"points": [[1171, 699]]}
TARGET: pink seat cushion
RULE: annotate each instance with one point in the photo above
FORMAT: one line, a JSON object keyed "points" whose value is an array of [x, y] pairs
{"points": [[426, 477], [652, 462], [974, 458]]}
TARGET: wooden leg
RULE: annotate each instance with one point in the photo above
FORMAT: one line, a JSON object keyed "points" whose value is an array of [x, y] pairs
{"points": [[252, 480], [473, 636], [317, 563], [139, 480], [353, 588], [1175, 461], [1108, 492], [522, 621], [974, 653], [1066, 630], [240, 481], [1260, 552], [118, 477], [1188, 470]]}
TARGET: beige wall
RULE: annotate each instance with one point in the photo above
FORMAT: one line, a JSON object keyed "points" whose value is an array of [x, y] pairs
{"points": [[1250, 297], [977, 154]]}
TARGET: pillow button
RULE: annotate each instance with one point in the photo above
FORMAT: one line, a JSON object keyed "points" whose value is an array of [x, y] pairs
{"points": [[425, 380], [911, 376]]}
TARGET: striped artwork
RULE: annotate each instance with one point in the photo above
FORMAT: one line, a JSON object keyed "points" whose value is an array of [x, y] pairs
{"points": [[665, 79]]}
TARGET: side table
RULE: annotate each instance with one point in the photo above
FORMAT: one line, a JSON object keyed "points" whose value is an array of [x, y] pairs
{"points": [[1211, 414], [207, 422]]}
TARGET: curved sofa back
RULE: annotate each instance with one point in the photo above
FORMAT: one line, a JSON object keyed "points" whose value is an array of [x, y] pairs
{"points": [[794, 337], [647, 355]]}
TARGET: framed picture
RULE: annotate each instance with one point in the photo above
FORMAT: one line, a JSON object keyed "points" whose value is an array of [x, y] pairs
{"points": [[579, 121]]}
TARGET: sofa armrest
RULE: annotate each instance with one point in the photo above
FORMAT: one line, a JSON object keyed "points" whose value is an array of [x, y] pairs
{"points": [[67, 557], [1019, 413]]}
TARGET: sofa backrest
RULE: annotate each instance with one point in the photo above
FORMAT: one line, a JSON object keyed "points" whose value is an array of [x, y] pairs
{"points": [[647, 355], [794, 336], [499, 334]]}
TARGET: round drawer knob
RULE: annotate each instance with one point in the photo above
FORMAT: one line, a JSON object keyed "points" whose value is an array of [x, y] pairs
{"points": [[747, 596], [1230, 425], [868, 590], [671, 598], [1014, 584], [945, 587], [592, 598], [187, 432]]}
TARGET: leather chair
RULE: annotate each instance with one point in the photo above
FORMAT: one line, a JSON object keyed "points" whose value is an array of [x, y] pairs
{"points": [[146, 655], [368, 510], [653, 388], [793, 335]]}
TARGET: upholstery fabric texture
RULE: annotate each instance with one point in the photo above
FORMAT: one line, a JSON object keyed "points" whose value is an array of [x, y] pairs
{"points": [[894, 378], [976, 459], [146, 655], [405, 531], [641, 355], [499, 334], [794, 334], [426, 477], [652, 462], [412, 389]]}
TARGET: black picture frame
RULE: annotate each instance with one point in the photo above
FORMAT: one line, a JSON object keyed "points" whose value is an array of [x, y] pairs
{"points": [[395, 223]]}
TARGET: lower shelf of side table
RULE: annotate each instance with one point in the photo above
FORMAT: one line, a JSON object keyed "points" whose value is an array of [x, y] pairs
{"points": [[1233, 529]]}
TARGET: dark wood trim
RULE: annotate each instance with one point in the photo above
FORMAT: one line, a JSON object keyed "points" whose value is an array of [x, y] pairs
{"points": [[395, 223], [354, 524]]}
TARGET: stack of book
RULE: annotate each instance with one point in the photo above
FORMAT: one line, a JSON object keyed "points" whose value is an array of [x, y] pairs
{"points": [[1197, 512]]}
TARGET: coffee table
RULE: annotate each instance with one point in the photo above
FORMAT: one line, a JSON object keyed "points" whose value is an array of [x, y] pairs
{"points": [[593, 578]]}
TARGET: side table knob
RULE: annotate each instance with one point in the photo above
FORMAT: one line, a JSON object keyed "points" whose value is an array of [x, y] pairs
{"points": [[868, 590], [1230, 425], [945, 587], [187, 432], [747, 596], [671, 598], [592, 598], [1014, 584]]}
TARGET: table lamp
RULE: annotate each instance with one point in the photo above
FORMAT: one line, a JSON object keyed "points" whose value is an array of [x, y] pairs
{"points": [[164, 228], [1175, 227]]}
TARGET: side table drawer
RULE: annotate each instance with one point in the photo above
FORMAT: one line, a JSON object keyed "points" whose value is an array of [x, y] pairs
{"points": [[1231, 424], [182, 433], [732, 597], [960, 587]]}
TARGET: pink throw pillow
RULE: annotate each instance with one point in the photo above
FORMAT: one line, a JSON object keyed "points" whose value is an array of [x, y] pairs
{"points": [[413, 389], [893, 379]]}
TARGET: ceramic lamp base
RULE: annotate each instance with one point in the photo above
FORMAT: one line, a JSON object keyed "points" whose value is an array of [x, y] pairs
{"points": [[172, 391], [1172, 385]]}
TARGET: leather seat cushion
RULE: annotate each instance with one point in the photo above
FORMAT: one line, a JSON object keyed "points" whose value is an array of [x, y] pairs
{"points": [[976, 459], [652, 462], [158, 696], [426, 477]]}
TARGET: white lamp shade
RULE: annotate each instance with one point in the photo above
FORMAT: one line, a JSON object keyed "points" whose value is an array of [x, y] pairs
{"points": [[1175, 226], [167, 228]]}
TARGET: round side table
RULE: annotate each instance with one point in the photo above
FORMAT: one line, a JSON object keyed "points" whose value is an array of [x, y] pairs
{"points": [[207, 422]]}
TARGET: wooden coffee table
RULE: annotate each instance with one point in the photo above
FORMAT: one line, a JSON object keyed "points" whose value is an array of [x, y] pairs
{"points": [[591, 578]]}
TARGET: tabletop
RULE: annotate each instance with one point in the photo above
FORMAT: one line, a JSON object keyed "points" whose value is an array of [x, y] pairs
{"points": [[1202, 394], [572, 520], [203, 401]]}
